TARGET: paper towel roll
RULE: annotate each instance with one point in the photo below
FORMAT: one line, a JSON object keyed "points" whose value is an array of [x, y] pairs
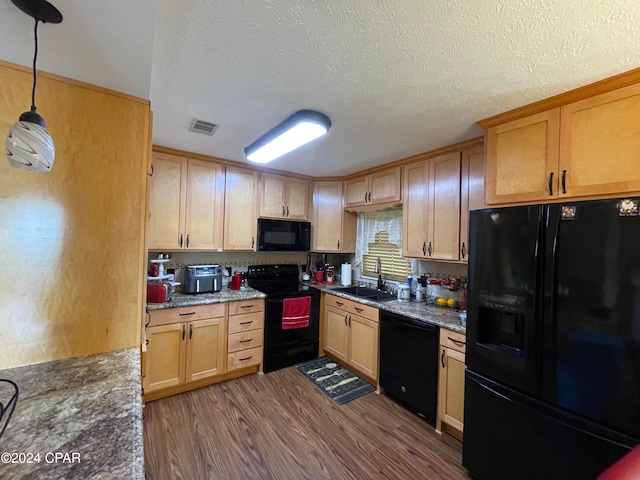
{"points": [[345, 274]]}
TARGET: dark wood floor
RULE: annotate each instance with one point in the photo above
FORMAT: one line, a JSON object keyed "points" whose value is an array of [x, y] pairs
{"points": [[280, 426]]}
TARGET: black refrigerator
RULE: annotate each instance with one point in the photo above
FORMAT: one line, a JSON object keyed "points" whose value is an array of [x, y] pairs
{"points": [[553, 340]]}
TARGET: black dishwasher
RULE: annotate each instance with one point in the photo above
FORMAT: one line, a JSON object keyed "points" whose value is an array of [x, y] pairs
{"points": [[409, 362]]}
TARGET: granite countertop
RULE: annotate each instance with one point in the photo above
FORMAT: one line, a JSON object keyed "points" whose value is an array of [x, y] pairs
{"points": [[224, 295], [89, 408], [442, 316]]}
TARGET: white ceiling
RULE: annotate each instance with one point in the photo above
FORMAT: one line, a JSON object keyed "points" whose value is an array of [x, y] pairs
{"points": [[396, 77]]}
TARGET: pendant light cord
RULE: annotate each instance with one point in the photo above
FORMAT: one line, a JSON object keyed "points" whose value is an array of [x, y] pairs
{"points": [[35, 57]]}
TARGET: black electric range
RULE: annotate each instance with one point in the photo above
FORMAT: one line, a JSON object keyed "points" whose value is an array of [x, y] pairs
{"points": [[283, 348]]}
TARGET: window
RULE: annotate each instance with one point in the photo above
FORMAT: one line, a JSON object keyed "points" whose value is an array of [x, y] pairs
{"points": [[379, 234]]}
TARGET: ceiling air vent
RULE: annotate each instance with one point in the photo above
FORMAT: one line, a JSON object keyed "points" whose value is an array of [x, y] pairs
{"points": [[200, 126]]}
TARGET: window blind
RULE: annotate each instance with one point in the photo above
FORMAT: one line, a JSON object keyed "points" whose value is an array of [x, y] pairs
{"points": [[394, 267]]}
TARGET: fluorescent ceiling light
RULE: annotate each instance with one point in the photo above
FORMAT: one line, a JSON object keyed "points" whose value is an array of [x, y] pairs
{"points": [[300, 128]]}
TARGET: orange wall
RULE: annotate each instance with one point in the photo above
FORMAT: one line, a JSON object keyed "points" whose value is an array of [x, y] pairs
{"points": [[72, 240]]}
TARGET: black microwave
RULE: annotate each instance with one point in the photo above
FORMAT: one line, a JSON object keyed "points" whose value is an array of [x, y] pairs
{"points": [[283, 235]]}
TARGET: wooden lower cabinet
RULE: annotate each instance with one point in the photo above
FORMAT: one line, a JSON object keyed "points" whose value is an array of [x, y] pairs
{"points": [[451, 383], [246, 334], [351, 332], [190, 347]]}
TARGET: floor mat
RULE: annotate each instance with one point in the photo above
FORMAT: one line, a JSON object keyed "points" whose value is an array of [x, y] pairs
{"points": [[334, 380]]}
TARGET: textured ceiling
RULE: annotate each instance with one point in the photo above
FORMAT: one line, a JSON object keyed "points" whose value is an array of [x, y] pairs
{"points": [[396, 77]]}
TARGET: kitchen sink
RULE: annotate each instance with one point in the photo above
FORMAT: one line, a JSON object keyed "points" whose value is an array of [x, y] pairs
{"points": [[368, 293]]}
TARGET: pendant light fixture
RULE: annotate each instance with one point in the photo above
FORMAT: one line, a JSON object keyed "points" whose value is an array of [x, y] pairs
{"points": [[300, 128], [29, 145]]}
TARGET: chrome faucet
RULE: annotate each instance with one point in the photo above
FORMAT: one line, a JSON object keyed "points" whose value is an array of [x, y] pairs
{"points": [[378, 268]]}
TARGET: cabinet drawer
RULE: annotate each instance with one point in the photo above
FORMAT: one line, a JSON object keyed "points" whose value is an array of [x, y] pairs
{"points": [[453, 340], [350, 306], [244, 323], [244, 358], [245, 340], [167, 316], [246, 306]]}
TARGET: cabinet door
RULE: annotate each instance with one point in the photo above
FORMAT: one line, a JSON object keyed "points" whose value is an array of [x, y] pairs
{"points": [[297, 199], [363, 352], [167, 202], [240, 209], [336, 333], [444, 207], [205, 200], [327, 212], [206, 342], [166, 356], [272, 196], [521, 156], [600, 144], [471, 193], [414, 210], [385, 186], [356, 192], [451, 389]]}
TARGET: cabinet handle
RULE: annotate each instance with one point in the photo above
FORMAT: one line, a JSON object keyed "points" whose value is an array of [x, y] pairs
{"points": [[345, 319], [246, 306], [359, 310], [246, 341], [349, 321], [146, 341], [551, 183], [253, 242], [338, 244], [187, 240], [287, 210], [151, 174], [424, 248], [190, 331], [180, 240], [365, 197], [564, 181], [463, 250], [457, 342], [429, 249], [283, 210], [245, 359], [149, 318], [339, 303], [246, 323], [186, 314], [442, 358], [183, 331]]}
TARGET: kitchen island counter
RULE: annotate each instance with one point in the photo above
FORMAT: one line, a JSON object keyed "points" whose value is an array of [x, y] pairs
{"points": [[76, 418]]}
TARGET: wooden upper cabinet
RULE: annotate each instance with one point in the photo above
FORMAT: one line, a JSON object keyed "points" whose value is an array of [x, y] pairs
{"points": [[240, 219], [376, 188], [167, 202], [414, 209], [205, 206], [600, 144], [332, 229], [185, 204], [588, 146], [471, 193], [522, 159], [443, 231], [284, 197]]}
